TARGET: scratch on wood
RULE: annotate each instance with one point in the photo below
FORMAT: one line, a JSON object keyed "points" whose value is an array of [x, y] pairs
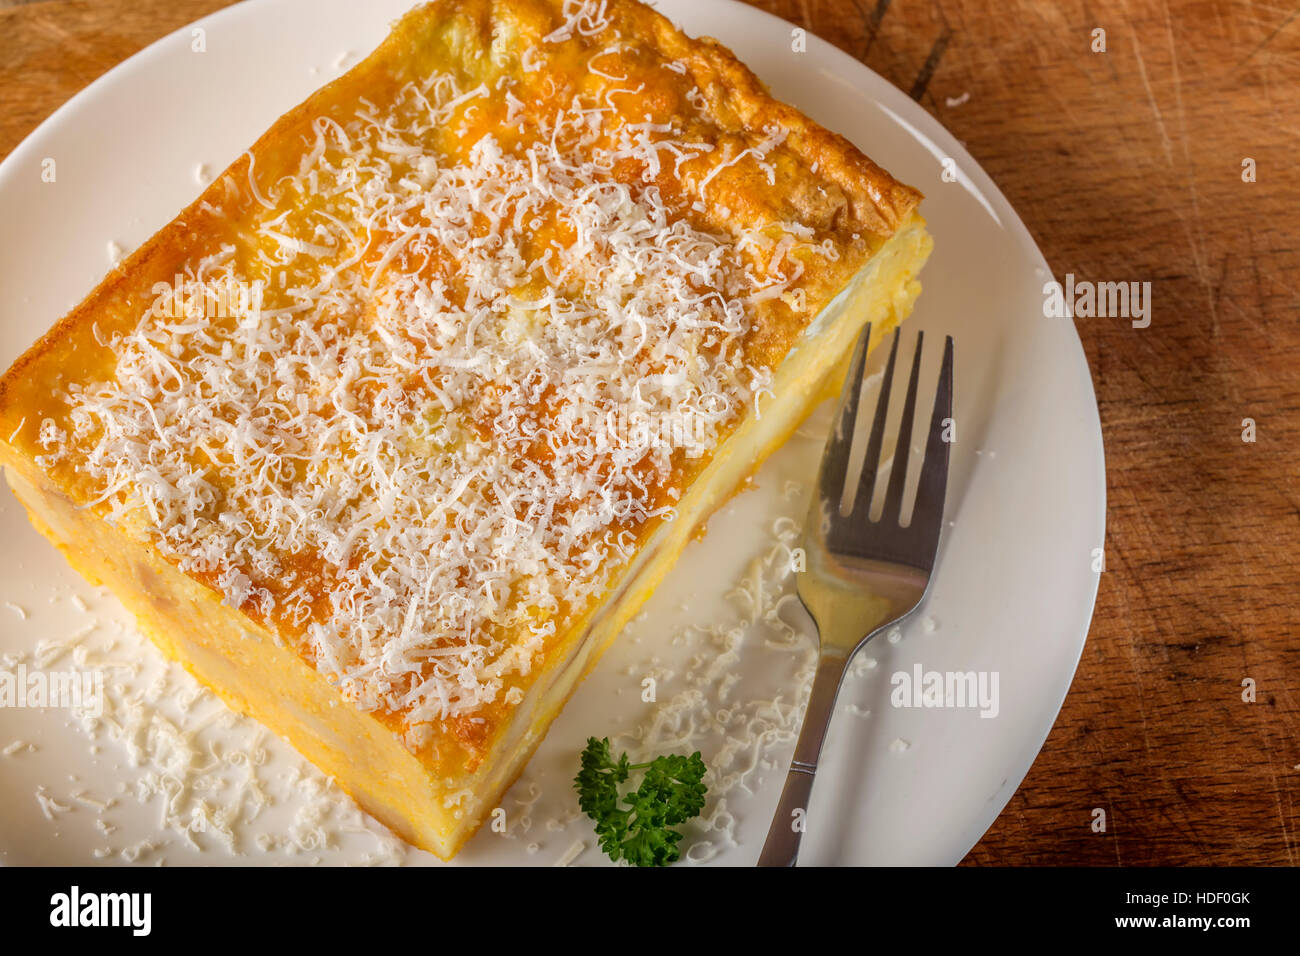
{"points": [[1269, 39], [931, 64], [873, 23], [1155, 108]]}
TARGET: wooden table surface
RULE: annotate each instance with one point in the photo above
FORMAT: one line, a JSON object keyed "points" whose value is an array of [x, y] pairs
{"points": [[1125, 165]]}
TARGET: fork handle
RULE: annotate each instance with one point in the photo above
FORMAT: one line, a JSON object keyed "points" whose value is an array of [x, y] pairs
{"points": [[790, 820]]}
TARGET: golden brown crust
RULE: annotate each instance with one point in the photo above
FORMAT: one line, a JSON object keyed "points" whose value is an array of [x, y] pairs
{"points": [[813, 176], [874, 203], [807, 175]]}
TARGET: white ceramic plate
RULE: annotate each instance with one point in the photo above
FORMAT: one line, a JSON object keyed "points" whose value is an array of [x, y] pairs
{"points": [[1013, 595]]}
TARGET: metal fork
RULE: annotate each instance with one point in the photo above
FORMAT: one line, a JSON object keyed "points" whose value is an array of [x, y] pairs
{"points": [[862, 576]]}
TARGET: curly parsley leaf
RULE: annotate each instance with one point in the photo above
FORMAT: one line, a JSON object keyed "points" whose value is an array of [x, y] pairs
{"points": [[671, 792]]}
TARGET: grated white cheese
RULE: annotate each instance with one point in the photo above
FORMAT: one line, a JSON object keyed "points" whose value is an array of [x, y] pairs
{"points": [[400, 455], [50, 807], [585, 17], [207, 771], [572, 853]]}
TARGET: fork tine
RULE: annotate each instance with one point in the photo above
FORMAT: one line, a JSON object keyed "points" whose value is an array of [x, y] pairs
{"points": [[898, 471], [871, 461], [927, 513], [835, 459]]}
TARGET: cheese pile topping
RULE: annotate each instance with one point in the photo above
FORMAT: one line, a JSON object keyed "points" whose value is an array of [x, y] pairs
{"points": [[379, 418]]}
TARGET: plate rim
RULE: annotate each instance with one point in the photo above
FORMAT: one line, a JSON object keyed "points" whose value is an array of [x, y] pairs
{"points": [[915, 121]]}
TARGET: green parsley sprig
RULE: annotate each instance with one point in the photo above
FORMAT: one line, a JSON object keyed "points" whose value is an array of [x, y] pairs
{"points": [[671, 792]]}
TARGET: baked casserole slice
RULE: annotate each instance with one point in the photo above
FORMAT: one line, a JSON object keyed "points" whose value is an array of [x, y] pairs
{"points": [[388, 434]]}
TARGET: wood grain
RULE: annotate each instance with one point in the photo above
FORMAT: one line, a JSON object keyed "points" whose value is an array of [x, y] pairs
{"points": [[1125, 165]]}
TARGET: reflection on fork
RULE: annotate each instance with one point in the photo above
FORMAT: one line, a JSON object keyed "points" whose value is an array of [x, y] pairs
{"points": [[862, 576]]}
